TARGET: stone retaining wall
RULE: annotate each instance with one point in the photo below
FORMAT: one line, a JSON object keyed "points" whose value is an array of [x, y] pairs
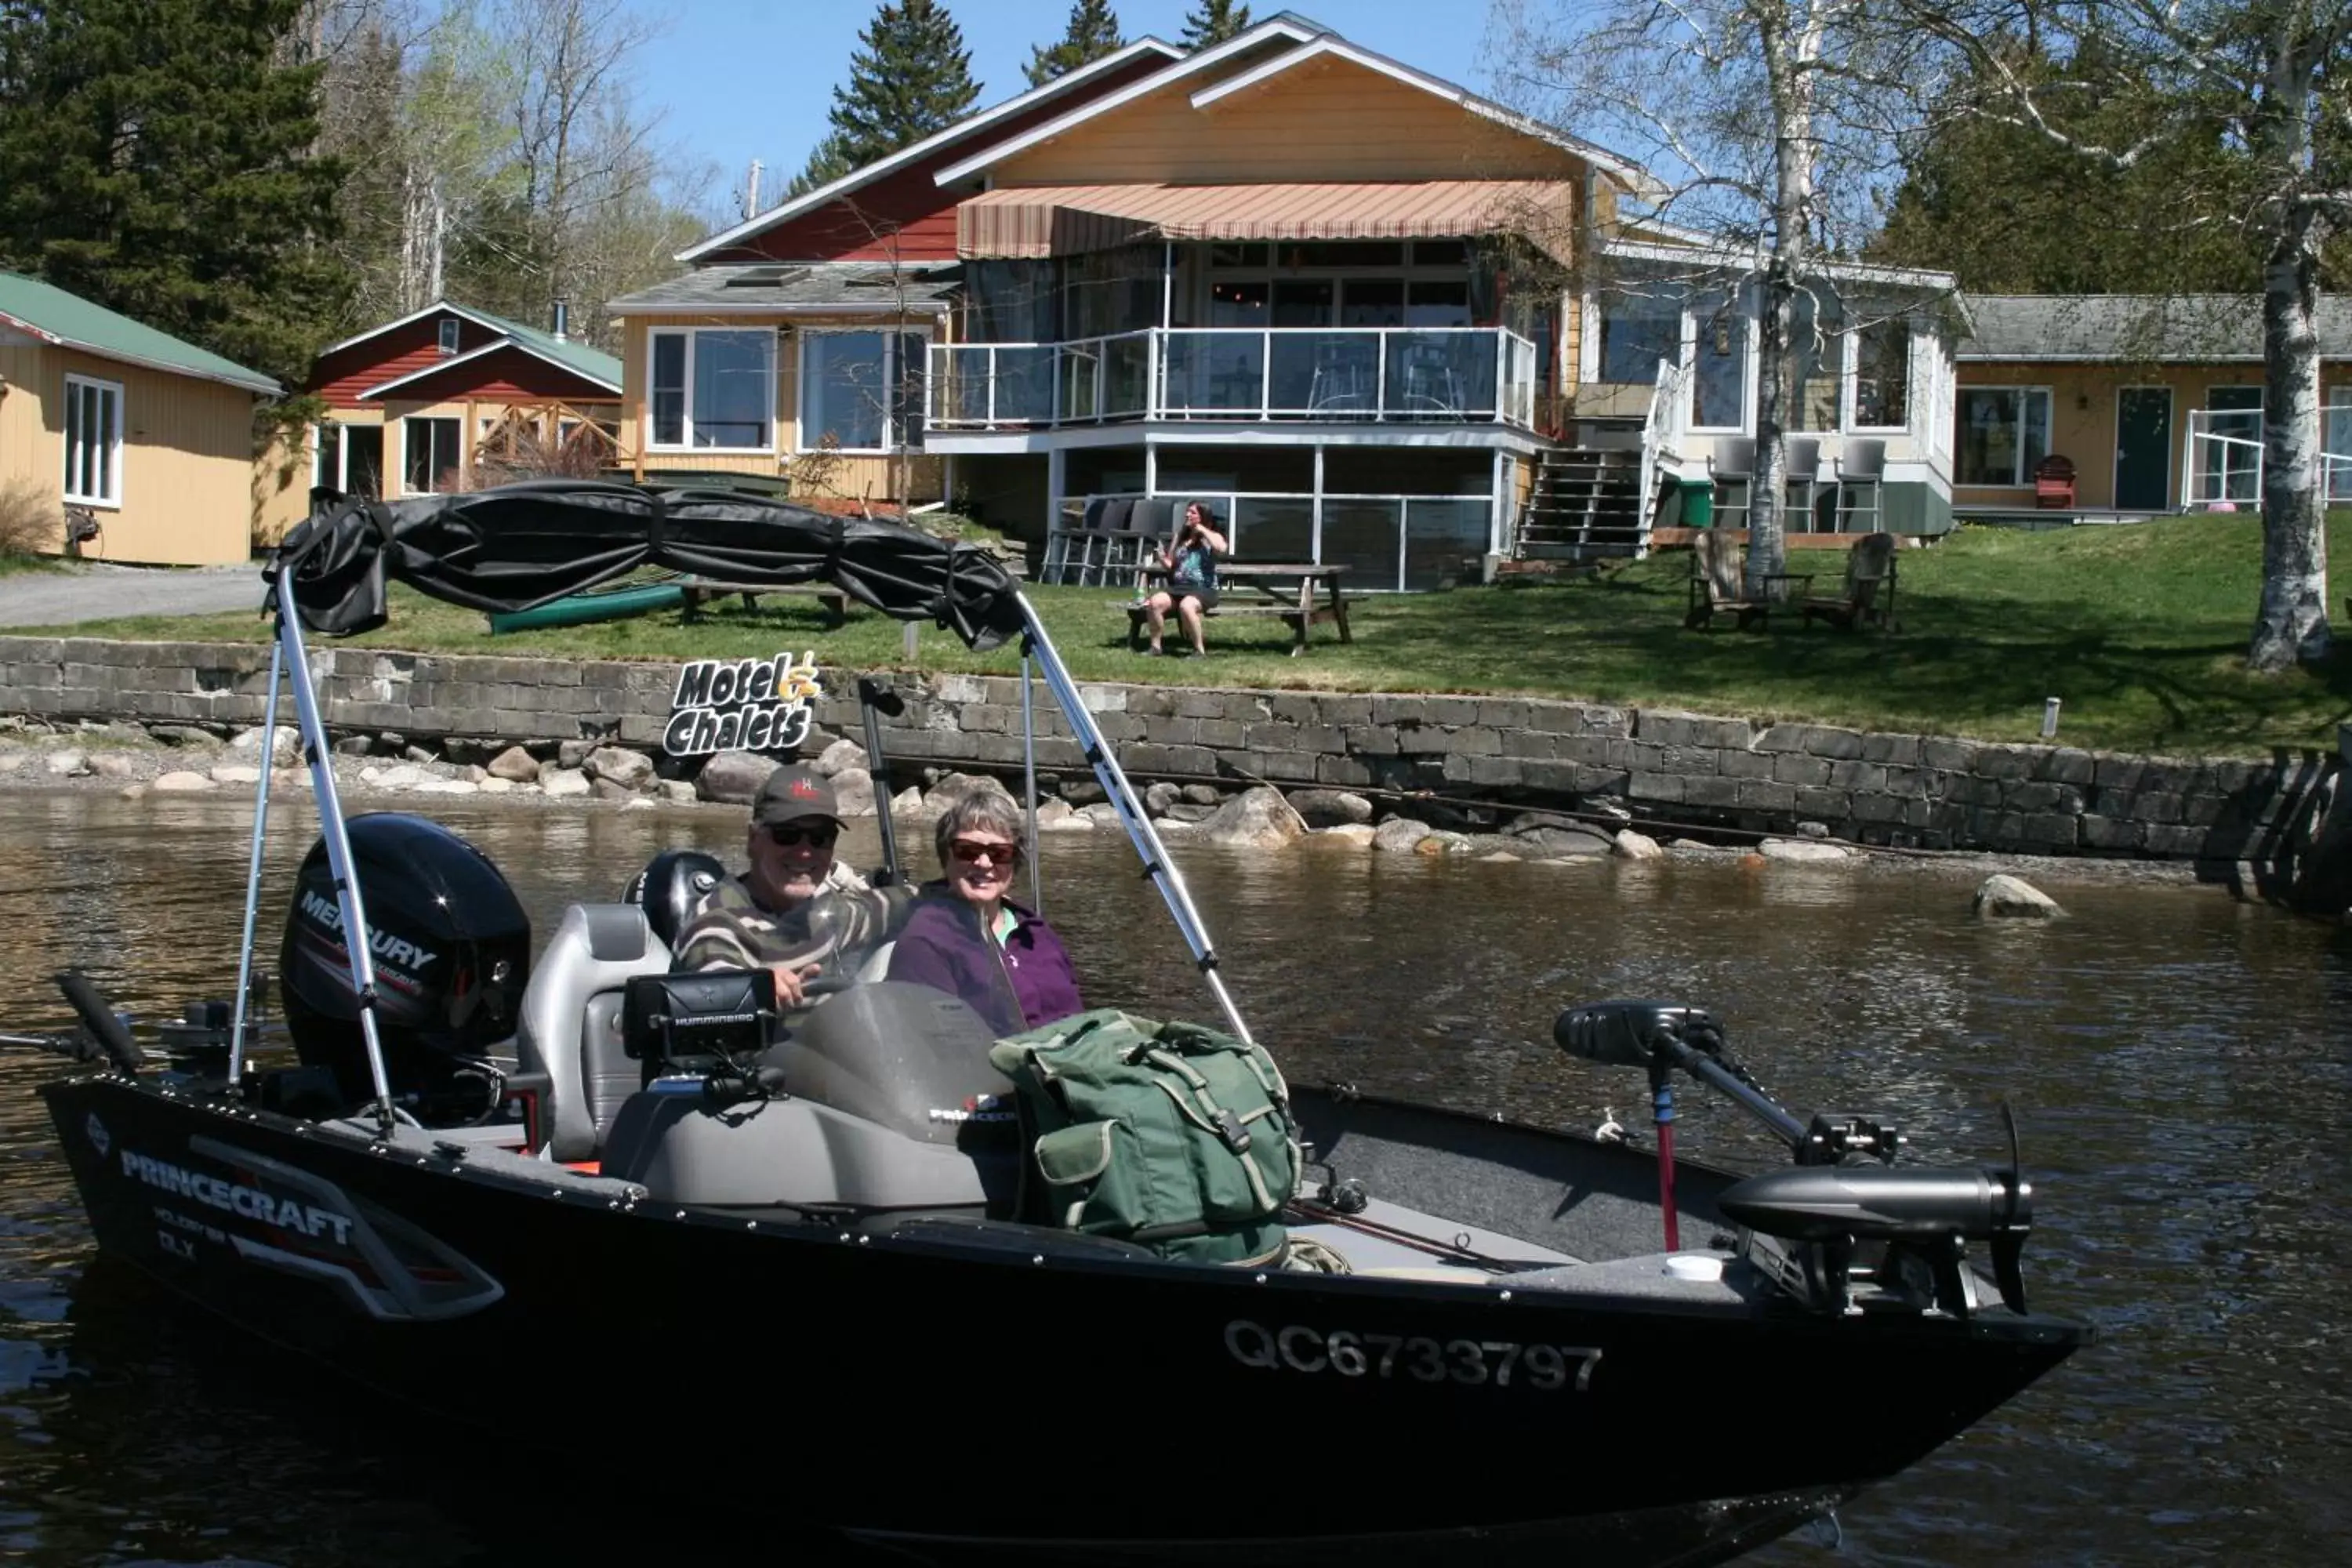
{"points": [[1459, 754]]}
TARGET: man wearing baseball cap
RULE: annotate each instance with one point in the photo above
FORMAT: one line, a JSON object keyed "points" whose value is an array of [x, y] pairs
{"points": [[788, 912]]}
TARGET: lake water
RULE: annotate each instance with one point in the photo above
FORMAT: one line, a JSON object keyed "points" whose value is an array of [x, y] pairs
{"points": [[2182, 1066]]}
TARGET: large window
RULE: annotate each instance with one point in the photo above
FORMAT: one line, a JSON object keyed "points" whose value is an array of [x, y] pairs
{"points": [[2004, 432], [1635, 335], [1882, 376], [715, 389], [350, 459], [1720, 368], [429, 456], [93, 442], [862, 389], [1811, 400]]}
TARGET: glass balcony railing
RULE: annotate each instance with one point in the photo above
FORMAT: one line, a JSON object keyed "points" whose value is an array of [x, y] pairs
{"points": [[1375, 374]]}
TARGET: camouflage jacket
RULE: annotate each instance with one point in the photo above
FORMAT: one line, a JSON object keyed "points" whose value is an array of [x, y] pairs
{"points": [[734, 930]]}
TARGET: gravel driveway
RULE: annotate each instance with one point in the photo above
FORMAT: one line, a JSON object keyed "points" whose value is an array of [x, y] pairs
{"points": [[96, 590]]}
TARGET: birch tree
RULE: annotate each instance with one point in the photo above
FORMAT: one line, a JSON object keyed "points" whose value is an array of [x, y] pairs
{"points": [[2266, 76], [1768, 119]]}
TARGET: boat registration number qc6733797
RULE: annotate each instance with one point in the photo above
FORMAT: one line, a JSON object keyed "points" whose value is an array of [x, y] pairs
{"points": [[1503, 1364]]}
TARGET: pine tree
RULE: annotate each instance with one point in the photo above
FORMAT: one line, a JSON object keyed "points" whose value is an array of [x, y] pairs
{"points": [[2002, 207], [1213, 22], [1093, 32], [913, 76], [155, 157]]}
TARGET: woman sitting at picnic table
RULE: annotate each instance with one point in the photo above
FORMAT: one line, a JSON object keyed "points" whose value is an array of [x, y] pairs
{"points": [[1190, 562]]}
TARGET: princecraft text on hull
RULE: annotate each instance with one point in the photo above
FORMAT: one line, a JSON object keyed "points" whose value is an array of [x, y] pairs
{"points": [[576, 1163]]}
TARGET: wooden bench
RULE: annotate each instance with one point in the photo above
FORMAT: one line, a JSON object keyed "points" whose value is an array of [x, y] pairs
{"points": [[1136, 614], [697, 589]]}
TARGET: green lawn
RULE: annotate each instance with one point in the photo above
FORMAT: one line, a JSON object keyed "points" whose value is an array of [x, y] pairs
{"points": [[2141, 630]]}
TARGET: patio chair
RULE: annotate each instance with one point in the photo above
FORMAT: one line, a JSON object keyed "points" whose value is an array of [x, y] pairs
{"points": [[1716, 585], [1144, 528], [1733, 462], [1861, 486], [1800, 483], [1073, 552], [1867, 595], [2053, 484], [1342, 372], [1433, 383]]}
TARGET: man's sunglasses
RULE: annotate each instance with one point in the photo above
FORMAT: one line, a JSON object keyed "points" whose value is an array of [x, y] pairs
{"points": [[791, 834], [973, 851]]}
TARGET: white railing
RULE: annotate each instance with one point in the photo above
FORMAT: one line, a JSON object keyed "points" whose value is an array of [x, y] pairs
{"points": [[1663, 429], [2221, 458], [1261, 375], [1387, 541]]}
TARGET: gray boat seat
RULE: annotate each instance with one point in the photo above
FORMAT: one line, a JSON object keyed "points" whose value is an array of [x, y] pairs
{"points": [[571, 1021]]}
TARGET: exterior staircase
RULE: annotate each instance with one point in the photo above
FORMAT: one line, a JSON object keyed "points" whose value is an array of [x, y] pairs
{"points": [[1585, 507]]}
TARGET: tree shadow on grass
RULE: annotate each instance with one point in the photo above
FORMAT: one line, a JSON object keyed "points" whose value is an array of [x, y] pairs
{"points": [[1962, 664]]}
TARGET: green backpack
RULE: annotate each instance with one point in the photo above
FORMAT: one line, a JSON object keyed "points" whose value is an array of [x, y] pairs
{"points": [[1169, 1136]]}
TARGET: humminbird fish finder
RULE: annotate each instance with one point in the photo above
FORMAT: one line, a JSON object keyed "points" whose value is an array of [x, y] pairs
{"points": [[698, 1024]]}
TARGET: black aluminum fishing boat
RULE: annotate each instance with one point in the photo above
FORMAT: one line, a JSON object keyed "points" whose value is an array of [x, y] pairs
{"points": [[1523, 1362]]}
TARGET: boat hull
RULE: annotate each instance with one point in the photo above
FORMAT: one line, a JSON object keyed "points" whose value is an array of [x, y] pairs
{"points": [[932, 1392]]}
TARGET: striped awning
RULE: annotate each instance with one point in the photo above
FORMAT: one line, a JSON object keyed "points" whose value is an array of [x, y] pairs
{"points": [[1026, 221]]}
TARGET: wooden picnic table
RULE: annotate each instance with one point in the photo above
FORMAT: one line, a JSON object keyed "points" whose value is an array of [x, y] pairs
{"points": [[1285, 589], [697, 589]]}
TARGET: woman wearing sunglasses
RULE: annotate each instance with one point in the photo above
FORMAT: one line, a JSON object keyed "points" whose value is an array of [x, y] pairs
{"points": [[968, 939]]}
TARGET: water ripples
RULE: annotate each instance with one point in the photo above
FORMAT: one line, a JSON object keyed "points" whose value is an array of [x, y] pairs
{"points": [[2182, 1068]]}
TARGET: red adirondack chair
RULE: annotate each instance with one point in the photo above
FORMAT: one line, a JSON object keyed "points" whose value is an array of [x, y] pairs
{"points": [[2053, 482]]}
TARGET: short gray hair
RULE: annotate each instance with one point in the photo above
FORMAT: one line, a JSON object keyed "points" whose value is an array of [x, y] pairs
{"points": [[987, 808]]}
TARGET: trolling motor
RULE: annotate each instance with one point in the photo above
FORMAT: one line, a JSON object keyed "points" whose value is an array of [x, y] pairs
{"points": [[1831, 1203]]}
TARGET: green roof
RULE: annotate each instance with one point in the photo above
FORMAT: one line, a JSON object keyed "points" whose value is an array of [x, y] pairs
{"points": [[571, 353], [69, 319]]}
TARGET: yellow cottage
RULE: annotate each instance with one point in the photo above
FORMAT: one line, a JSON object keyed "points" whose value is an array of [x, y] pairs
{"points": [[153, 437]]}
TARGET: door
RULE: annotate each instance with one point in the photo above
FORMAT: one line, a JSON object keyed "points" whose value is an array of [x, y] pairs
{"points": [[363, 462], [2144, 449]]}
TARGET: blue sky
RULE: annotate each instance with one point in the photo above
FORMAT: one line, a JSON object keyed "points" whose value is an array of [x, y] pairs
{"points": [[739, 79]]}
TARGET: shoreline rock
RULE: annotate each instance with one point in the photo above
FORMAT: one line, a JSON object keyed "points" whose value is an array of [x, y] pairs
{"points": [[129, 760]]}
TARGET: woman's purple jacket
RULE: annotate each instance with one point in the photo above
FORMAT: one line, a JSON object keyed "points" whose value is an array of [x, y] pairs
{"points": [[1026, 983]]}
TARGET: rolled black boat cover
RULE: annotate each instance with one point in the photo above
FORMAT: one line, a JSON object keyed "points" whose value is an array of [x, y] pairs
{"points": [[521, 545]]}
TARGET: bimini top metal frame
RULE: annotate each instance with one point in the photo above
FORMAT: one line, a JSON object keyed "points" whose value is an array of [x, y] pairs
{"points": [[523, 546]]}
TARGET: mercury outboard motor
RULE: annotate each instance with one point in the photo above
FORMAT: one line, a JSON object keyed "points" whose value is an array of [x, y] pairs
{"points": [[452, 951]]}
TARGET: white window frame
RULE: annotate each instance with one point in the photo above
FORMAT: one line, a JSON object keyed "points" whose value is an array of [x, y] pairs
{"points": [[1742, 301], [448, 337], [1850, 398], [112, 390], [686, 419], [891, 333], [2022, 475], [457, 420]]}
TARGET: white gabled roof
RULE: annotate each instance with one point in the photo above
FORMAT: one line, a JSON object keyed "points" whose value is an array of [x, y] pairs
{"points": [[1187, 65], [811, 200]]}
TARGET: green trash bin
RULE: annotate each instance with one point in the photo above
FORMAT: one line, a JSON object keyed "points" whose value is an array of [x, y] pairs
{"points": [[1696, 492]]}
